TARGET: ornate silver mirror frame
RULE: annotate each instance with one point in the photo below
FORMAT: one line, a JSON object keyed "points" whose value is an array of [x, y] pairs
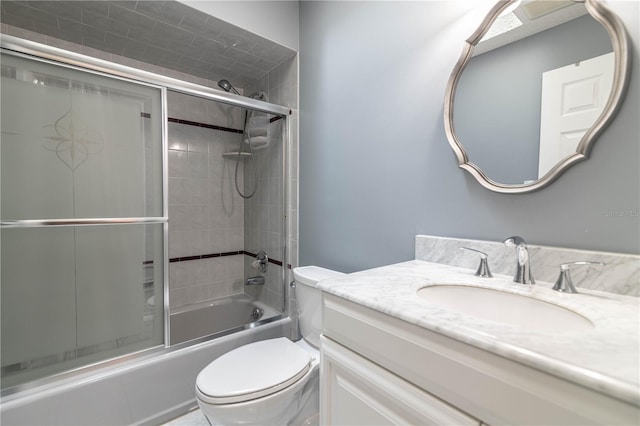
{"points": [[616, 31]]}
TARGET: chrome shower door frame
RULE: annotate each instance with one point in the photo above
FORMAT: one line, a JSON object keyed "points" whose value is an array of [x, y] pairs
{"points": [[44, 53]]}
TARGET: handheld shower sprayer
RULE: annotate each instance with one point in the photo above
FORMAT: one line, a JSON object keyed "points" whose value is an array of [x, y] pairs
{"points": [[227, 87]]}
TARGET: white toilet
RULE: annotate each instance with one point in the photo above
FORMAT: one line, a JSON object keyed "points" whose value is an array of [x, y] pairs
{"points": [[270, 382]]}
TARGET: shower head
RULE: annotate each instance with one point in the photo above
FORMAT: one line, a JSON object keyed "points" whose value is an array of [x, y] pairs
{"points": [[260, 95], [227, 87]]}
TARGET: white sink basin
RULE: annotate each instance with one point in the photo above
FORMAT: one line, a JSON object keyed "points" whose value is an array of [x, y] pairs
{"points": [[503, 307]]}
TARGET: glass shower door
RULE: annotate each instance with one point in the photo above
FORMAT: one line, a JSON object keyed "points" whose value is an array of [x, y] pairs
{"points": [[83, 223]]}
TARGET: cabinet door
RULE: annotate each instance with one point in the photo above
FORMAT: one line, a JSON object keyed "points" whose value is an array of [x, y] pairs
{"points": [[355, 391]]}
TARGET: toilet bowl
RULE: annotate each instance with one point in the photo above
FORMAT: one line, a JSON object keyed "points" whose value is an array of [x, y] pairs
{"points": [[273, 381]]}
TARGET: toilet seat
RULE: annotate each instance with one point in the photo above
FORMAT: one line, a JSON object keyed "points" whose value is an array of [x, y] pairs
{"points": [[253, 371]]}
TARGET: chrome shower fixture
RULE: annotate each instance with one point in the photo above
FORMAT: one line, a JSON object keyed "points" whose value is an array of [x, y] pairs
{"points": [[261, 262], [227, 87], [262, 96]]}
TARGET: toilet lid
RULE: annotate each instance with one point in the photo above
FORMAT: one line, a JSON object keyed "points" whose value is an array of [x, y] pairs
{"points": [[253, 371]]}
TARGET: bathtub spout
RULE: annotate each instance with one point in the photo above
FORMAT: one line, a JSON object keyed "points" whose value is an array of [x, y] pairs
{"points": [[259, 280]]}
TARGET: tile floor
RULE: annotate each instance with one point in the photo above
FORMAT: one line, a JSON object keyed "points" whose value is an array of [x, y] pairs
{"points": [[192, 418]]}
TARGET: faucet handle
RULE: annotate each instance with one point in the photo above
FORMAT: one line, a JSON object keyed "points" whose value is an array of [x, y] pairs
{"points": [[261, 262], [483, 268], [564, 284]]}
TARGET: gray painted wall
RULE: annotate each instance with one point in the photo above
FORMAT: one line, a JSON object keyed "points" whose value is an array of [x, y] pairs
{"points": [[376, 168]]}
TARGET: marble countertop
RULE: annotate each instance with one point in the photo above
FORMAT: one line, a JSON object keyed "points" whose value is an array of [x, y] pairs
{"points": [[605, 358]]}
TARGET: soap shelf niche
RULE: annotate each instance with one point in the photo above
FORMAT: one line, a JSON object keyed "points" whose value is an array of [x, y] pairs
{"points": [[237, 155]]}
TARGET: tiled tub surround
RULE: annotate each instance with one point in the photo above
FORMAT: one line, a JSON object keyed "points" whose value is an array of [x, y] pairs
{"points": [[280, 83], [620, 275], [263, 220], [263, 217], [262, 213], [205, 215], [605, 358], [214, 234], [39, 405]]}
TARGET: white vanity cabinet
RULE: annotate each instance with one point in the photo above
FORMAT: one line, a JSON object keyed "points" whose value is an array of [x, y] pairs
{"points": [[378, 369], [356, 391]]}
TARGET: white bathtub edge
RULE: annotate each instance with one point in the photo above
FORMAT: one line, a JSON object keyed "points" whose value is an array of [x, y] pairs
{"points": [[136, 392]]}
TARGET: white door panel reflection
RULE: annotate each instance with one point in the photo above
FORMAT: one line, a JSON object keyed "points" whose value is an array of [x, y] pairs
{"points": [[573, 97]]}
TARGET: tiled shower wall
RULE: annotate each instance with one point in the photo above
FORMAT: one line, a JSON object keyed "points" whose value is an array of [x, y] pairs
{"points": [[264, 218], [247, 225], [206, 230], [263, 212]]}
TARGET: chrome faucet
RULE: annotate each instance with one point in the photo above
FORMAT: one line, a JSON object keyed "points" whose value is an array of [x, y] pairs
{"points": [[523, 271], [258, 280]]}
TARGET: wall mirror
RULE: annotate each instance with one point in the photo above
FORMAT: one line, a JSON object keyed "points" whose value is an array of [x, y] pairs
{"points": [[535, 85]]}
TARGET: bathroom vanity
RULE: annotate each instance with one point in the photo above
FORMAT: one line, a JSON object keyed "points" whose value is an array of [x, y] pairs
{"points": [[393, 354]]}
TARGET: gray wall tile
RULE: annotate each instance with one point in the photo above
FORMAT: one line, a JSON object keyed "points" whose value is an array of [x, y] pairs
{"points": [[131, 18], [163, 33], [104, 23], [164, 11], [68, 10]]}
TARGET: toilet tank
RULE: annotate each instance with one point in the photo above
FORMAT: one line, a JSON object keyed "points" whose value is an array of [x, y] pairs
{"points": [[308, 300]]}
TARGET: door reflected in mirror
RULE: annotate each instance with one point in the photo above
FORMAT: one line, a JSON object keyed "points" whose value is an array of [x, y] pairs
{"points": [[573, 98]]}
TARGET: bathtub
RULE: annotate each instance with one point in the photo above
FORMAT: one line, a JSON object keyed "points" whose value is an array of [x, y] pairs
{"points": [[148, 388], [219, 317]]}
